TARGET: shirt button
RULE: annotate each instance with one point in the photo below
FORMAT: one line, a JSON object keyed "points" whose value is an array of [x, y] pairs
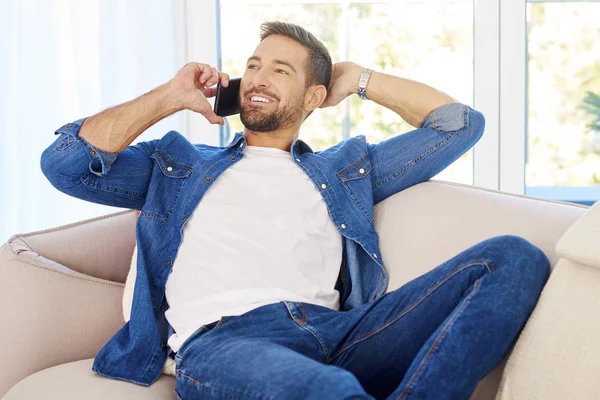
{"points": [[183, 217], [374, 255], [153, 307], [169, 169], [67, 126], [163, 345], [362, 171], [207, 179], [241, 144], [323, 186], [169, 262], [343, 226], [297, 159], [232, 158], [93, 152]]}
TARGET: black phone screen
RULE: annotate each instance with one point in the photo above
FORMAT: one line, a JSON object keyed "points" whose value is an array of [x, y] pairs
{"points": [[227, 100]]}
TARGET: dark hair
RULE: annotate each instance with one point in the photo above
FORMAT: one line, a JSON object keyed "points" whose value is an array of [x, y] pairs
{"points": [[319, 60]]}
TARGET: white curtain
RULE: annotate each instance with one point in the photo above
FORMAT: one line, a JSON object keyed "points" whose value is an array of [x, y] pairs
{"points": [[61, 60]]}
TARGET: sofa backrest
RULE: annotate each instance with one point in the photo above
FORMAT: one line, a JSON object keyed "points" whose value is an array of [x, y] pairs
{"points": [[429, 223]]}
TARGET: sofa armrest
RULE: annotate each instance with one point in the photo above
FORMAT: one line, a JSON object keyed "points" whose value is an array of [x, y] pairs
{"points": [[53, 313], [556, 355], [100, 247], [580, 241]]}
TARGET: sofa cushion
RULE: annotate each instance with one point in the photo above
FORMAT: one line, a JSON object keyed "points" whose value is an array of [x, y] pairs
{"points": [[76, 380]]}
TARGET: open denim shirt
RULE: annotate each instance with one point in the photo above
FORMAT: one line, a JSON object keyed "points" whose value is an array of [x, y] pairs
{"points": [[166, 178]]}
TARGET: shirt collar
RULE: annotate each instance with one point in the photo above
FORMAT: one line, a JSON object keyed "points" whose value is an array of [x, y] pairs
{"points": [[298, 145]]}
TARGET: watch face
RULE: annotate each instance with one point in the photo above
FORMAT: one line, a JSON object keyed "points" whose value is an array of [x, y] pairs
{"points": [[364, 77]]}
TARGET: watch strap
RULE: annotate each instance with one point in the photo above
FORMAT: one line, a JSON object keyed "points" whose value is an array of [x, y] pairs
{"points": [[363, 81]]}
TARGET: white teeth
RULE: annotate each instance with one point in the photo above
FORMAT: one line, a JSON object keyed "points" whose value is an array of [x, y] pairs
{"points": [[258, 98]]}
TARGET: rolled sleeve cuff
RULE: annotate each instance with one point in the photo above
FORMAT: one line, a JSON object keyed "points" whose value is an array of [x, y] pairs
{"points": [[449, 117], [100, 160]]}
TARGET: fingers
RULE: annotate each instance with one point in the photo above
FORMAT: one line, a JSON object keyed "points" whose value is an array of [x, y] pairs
{"points": [[210, 92], [205, 75], [210, 76], [224, 79], [214, 118], [206, 110]]}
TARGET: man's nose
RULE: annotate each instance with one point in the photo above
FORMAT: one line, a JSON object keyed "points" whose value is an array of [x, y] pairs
{"points": [[260, 79]]}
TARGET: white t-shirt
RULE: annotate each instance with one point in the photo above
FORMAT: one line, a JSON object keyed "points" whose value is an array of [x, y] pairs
{"points": [[260, 235]]}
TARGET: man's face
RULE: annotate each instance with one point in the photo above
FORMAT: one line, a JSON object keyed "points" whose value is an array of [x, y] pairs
{"points": [[273, 86]]}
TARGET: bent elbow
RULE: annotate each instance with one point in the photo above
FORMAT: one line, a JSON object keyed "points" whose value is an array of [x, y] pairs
{"points": [[475, 124]]}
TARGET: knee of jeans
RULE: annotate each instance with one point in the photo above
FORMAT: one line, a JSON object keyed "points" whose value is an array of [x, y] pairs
{"points": [[336, 382], [529, 258]]}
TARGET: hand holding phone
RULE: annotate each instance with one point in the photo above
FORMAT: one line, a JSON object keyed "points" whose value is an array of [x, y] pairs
{"points": [[192, 86], [227, 101]]}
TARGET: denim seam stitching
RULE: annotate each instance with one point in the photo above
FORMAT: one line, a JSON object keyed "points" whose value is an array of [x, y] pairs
{"points": [[242, 395], [302, 324], [342, 171], [412, 306], [150, 362], [434, 123], [361, 176], [378, 282], [415, 161], [165, 217], [323, 346], [314, 333], [196, 382], [65, 143], [88, 148], [357, 202], [439, 339], [112, 189], [117, 377]]}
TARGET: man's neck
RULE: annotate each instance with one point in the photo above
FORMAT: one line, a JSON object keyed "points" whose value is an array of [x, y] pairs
{"points": [[280, 139]]}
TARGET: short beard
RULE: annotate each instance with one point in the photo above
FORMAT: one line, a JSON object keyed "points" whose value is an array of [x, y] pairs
{"points": [[257, 121]]}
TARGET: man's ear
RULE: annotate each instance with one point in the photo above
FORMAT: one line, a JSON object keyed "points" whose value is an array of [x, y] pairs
{"points": [[315, 95]]}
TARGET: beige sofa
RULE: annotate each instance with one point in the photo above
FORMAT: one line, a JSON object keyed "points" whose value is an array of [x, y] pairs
{"points": [[61, 288]]}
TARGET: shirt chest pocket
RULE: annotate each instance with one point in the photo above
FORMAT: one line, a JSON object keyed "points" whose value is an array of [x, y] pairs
{"points": [[166, 184], [356, 180]]}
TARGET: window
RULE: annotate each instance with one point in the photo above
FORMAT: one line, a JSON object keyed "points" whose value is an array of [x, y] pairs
{"points": [[563, 101], [532, 67]]}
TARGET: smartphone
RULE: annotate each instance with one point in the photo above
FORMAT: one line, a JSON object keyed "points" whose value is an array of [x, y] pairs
{"points": [[227, 100]]}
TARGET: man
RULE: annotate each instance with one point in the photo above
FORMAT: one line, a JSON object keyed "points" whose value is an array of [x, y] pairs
{"points": [[279, 288]]}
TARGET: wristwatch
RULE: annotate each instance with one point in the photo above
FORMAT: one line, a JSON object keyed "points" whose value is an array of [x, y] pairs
{"points": [[362, 83]]}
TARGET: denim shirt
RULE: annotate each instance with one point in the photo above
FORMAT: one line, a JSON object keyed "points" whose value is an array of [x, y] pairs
{"points": [[166, 178]]}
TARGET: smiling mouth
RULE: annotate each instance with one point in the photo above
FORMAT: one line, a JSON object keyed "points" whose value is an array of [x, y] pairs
{"points": [[258, 99], [259, 103]]}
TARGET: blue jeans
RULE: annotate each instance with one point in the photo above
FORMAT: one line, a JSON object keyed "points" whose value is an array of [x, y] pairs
{"points": [[435, 337]]}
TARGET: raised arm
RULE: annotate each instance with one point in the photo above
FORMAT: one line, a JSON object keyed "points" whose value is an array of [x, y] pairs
{"points": [[93, 158], [114, 129], [446, 129], [412, 100]]}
